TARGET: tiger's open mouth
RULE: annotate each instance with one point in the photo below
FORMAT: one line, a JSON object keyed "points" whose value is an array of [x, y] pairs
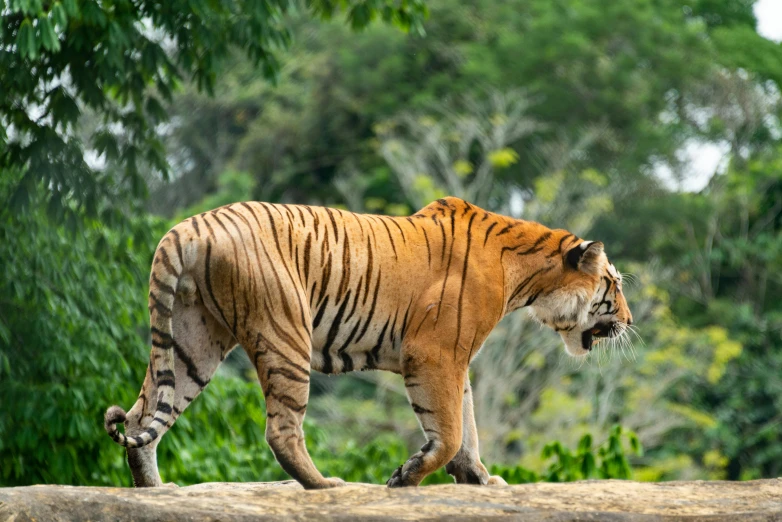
{"points": [[594, 335]]}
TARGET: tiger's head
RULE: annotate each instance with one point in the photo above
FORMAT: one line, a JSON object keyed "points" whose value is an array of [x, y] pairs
{"points": [[586, 304]]}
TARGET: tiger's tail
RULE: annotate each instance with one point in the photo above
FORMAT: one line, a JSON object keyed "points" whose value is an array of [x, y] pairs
{"points": [[167, 270]]}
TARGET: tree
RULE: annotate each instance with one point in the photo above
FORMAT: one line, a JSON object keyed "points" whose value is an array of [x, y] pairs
{"points": [[122, 60], [456, 152]]}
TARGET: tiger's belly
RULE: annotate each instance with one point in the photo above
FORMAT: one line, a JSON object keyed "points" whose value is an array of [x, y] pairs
{"points": [[341, 353]]}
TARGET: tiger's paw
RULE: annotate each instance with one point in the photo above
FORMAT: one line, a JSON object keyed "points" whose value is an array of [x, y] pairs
{"points": [[404, 478], [396, 480], [496, 480], [334, 482]]}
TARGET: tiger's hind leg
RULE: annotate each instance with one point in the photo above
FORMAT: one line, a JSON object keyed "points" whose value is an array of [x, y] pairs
{"points": [[466, 467], [283, 366], [200, 344]]}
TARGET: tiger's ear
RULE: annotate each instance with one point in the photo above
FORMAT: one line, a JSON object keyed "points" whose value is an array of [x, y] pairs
{"points": [[585, 256]]}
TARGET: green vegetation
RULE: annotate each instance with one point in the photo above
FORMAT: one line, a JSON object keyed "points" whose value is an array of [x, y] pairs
{"points": [[576, 113]]}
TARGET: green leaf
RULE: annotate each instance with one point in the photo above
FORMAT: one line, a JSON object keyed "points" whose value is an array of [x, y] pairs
{"points": [[72, 8], [585, 444], [588, 468], [60, 15], [48, 36], [25, 40]]}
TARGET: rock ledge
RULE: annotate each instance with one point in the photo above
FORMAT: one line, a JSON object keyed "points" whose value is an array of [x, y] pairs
{"points": [[609, 500]]}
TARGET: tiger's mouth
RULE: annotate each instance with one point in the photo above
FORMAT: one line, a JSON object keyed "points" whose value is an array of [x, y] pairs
{"points": [[594, 335]]}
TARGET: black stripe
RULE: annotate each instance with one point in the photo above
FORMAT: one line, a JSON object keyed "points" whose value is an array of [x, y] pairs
{"points": [[286, 400], [233, 299], [178, 247], [393, 246], [324, 280], [334, 224], [288, 374], [375, 352], [445, 280], [192, 368], [392, 332], [162, 286], [428, 248], [208, 226], [461, 288], [442, 232], [165, 338], [489, 232], [345, 279], [271, 348], [400, 229], [347, 362], [160, 307], [506, 229], [358, 220], [404, 321], [532, 298], [290, 240], [194, 223], [332, 335], [208, 281], [285, 336], [167, 262], [307, 247], [419, 410], [526, 282], [315, 224], [319, 315], [353, 309], [536, 246], [372, 308], [368, 274], [559, 247]]}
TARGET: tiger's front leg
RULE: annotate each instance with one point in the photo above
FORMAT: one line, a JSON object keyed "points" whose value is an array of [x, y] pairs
{"points": [[434, 387], [466, 467]]}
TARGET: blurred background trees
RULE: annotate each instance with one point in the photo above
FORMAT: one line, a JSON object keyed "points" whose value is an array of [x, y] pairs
{"points": [[118, 119]]}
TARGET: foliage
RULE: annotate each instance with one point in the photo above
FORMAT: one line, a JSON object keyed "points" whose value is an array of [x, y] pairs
{"points": [[599, 89], [70, 312], [123, 60]]}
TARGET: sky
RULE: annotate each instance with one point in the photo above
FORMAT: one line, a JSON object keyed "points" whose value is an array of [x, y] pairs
{"points": [[769, 15], [706, 158]]}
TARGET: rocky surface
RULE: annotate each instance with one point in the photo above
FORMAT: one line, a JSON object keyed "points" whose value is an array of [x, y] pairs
{"points": [[607, 500]]}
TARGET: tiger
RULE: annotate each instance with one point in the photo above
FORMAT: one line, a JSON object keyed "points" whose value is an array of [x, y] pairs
{"points": [[305, 288]]}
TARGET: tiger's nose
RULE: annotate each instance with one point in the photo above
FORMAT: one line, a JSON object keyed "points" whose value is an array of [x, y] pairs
{"points": [[630, 321]]}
